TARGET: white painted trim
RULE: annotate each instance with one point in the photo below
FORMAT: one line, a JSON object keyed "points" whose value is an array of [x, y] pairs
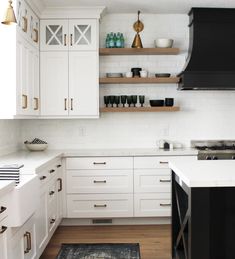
{"points": [[72, 12], [118, 221], [37, 6]]}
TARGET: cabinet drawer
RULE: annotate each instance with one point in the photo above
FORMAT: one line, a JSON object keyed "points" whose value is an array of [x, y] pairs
{"points": [[100, 181], [99, 163], [152, 180], [152, 205], [151, 162], [100, 205]]}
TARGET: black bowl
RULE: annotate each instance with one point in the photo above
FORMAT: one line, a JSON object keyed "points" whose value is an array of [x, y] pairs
{"points": [[163, 75], [155, 103]]}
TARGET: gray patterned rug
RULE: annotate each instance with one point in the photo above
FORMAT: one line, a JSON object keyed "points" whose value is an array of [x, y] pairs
{"points": [[99, 251]]}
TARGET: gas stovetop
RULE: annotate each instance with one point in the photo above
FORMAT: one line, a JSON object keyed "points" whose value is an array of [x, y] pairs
{"points": [[215, 149]]}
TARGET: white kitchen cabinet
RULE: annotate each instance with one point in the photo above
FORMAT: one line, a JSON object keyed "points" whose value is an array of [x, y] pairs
{"points": [[3, 239], [69, 84], [83, 83], [23, 242], [74, 34], [54, 35], [54, 83], [83, 34]]}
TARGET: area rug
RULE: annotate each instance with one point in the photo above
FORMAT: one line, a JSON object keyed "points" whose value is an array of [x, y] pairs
{"points": [[99, 251]]}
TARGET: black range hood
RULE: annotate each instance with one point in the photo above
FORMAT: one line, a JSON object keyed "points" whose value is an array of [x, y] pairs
{"points": [[211, 61]]}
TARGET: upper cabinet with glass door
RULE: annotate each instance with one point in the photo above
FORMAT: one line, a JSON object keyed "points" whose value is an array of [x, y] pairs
{"points": [[79, 34]]}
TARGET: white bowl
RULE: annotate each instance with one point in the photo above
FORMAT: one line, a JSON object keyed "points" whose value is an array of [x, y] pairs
{"points": [[36, 147], [164, 43]]}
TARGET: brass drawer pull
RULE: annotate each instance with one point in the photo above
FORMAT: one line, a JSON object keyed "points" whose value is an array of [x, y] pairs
{"points": [[65, 104], [2, 209], [36, 103], [25, 101], [165, 181], [4, 228], [52, 221], [58, 166], [51, 171], [104, 181], [42, 178], [164, 162], [27, 235], [99, 163], [65, 39], [100, 206], [51, 193], [35, 39], [61, 184], [25, 27], [165, 204], [71, 104]]}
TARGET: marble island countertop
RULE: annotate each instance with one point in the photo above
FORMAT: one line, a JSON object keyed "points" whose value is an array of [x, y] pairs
{"points": [[204, 173]]}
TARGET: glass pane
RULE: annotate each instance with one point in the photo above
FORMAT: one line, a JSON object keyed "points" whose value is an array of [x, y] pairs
{"points": [[77, 34], [82, 42], [48, 35], [54, 41], [88, 35], [82, 27], [53, 27], [59, 35]]}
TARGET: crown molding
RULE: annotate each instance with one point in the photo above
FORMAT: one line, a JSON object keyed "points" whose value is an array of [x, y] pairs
{"points": [[37, 5], [94, 12]]}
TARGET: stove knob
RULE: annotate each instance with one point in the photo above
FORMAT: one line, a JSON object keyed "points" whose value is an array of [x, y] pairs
{"points": [[215, 158], [208, 158]]}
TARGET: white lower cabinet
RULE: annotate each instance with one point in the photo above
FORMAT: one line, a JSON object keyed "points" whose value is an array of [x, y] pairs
{"points": [[3, 239], [23, 242], [100, 205]]}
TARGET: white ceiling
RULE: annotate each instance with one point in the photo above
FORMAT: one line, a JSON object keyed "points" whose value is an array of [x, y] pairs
{"points": [[146, 6]]}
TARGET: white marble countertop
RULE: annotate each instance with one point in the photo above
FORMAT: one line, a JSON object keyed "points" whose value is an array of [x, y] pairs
{"points": [[204, 173], [35, 161], [5, 187]]}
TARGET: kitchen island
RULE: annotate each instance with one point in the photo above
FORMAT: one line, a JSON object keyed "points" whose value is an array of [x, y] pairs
{"points": [[203, 209]]}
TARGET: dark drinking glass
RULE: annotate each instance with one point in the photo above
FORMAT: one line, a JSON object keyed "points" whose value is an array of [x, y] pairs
{"points": [[134, 99], [112, 99], [141, 100], [123, 100], [106, 100], [117, 100], [129, 100]]}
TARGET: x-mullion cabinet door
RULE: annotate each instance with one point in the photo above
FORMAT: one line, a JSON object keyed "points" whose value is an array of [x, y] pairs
{"points": [[54, 35], [83, 34]]}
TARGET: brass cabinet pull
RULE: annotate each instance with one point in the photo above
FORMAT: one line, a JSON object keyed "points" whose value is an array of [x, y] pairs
{"points": [[164, 181], [65, 39], [51, 193], [58, 166], [27, 235], [35, 39], [51, 171], [42, 178], [71, 104], [2, 209], [25, 27], [30, 241], [165, 204], [99, 163], [164, 162], [36, 103], [100, 205], [25, 101], [104, 181], [52, 221], [61, 184], [71, 39], [65, 104], [4, 228]]}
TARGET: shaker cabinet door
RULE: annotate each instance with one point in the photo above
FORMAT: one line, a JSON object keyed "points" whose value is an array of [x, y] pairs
{"points": [[83, 34], [83, 84], [54, 35], [54, 83]]}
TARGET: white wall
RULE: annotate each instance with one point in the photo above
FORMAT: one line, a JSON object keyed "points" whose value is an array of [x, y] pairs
{"points": [[203, 115]]}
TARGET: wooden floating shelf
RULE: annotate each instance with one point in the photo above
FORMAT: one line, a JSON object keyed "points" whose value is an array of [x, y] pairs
{"points": [[140, 109], [142, 51], [139, 80]]}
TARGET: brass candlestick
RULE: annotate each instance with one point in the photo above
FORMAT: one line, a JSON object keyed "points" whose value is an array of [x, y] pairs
{"points": [[138, 27]]}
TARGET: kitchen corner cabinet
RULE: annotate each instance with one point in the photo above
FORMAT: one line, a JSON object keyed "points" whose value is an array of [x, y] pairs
{"points": [[62, 35]]}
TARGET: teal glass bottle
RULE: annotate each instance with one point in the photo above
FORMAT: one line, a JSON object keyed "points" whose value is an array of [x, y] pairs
{"points": [[111, 40], [107, 41], [118, 41], [122, 41]]}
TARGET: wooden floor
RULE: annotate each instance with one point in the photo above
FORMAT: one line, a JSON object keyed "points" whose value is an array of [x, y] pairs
{"points": [[154, 240]]}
